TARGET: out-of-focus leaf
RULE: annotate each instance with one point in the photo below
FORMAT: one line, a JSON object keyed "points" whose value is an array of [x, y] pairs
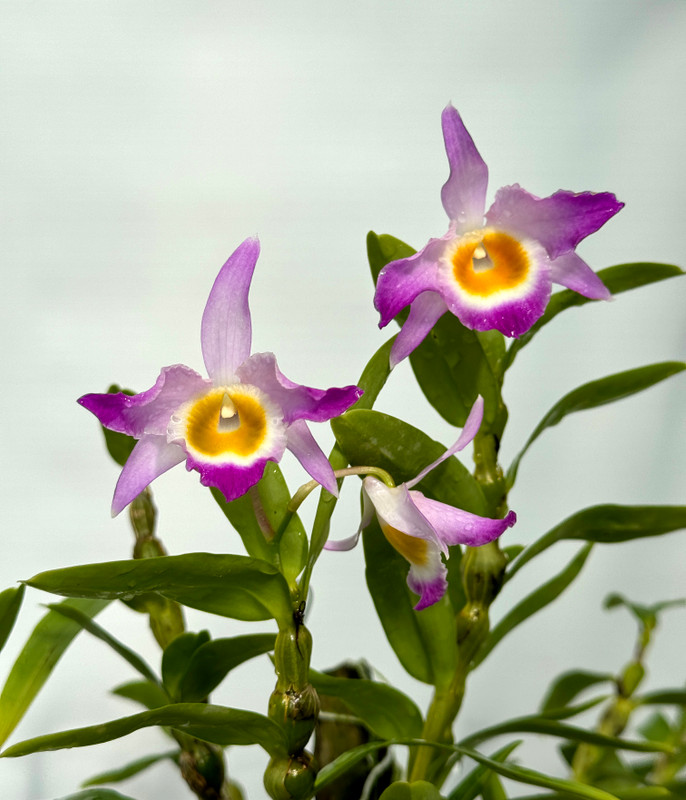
{"points": [[569, 685], [418, 790], [470, 786], [129, 770], [176, 660], [385, 710], [50, 638], [599, 393], [370, 437], [621, 792], [607, 524], [666, 697], [119, 445], [211, 662], [656, 728], [217, 724], [148, 694], [538, 599], [232, 586], [85, 621], [10, 603], [97, 794], [618, 279], [427, 658], [567, 712], [645, 615]]}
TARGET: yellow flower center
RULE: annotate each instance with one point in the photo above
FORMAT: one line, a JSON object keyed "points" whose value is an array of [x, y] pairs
{"points": [[412, 548], [224, 422], [488, 261]]}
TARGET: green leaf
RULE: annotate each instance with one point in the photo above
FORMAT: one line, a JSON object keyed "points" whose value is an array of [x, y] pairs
{"points": [[669, 697], [99, 632], [381, 250], [569, 685], [217, 724], [430, 660], [97, 794], [176, 659], [385, 710], [538, 599], [50, 638], [10, 603], [370, 437], [656, 728], [148, 694], [470, 786], [645, 615], [129, 770], [119, 445], [232, 586], [418, 790], [211, 662], [607, 524], [599, 393], [618, 279]]}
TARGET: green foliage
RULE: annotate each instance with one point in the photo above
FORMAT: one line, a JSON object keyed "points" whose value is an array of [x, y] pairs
{"points": [[232, 586], [534, 602], [620, 278], [10, 603], [45, 646], [132, 769], [386, 711], [216, 724], [176, 658], [608, 524], [419, 790], [599, 393], [97, 794], [472, 784], [569, 686], [145, 693]]}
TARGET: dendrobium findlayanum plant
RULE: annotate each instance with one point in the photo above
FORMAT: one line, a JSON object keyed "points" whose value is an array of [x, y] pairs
{"points": [[496, 275], [494, 272], [421, 529], [228, 427]]}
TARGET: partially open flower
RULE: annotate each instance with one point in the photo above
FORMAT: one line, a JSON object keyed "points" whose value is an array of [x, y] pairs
{"points": [[421, 529], [497, 272], [228, 427]]}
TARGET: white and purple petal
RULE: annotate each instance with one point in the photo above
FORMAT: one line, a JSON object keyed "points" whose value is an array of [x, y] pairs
{"points": [[149, 411], [304, 447], [226, 329], [455, 526], [464, 193], [558, 222], [425, 311], [295, 400], [150, 458], [573, 272], [395, 508], [232, 480], [430, 582], [401, 281]]}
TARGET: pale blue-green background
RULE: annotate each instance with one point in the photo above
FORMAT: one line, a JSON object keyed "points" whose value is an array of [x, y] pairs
{"points": [[142, 141]]}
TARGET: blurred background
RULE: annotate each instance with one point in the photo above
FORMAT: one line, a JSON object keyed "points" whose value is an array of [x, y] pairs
{"points": [[142, 142]]}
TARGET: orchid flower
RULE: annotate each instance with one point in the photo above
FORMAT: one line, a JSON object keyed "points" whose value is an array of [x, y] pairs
{"points": [[228, 427], [421, 529], [495, 272]]}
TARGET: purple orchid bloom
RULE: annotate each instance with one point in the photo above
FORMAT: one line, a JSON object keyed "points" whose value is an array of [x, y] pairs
{"points": [[421, 529], [228, 427], [496, 273]]}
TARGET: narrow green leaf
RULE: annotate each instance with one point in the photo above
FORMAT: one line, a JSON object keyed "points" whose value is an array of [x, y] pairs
{"points": [[339, 766], [97, 794], [569, 685], [618, 279], [176, 659], [10, 603], [385, 710], [129, 770], [149, 695], [551, 727], [217, 724], [667, 697], [607, 524], [656, 728], [99, 632], [232, 586], [211, 662], [470, 786], [119, 445], [538, 599], [370, 437], [50, 638], [418, 790], [621, 792], [599, 393], [645, 615]]}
